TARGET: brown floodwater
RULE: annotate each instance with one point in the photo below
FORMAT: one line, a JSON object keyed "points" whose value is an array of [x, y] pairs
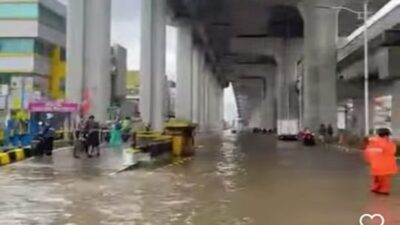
{"points": [[235, 179]]}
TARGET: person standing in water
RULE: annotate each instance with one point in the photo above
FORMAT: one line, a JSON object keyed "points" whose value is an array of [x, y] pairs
{"points": [[116, 134], [380, 153], [322, 133]]}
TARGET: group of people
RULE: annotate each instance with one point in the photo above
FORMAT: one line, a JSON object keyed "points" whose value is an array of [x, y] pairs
{"points": [[121, 131], [325, 132], [88, 137]]}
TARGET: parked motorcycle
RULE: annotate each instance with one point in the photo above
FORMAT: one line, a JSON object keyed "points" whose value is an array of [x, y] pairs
{"points": [[309, 139]]}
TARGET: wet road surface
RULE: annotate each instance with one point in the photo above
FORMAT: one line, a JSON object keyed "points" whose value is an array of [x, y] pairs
{"points": [[233, 180]]}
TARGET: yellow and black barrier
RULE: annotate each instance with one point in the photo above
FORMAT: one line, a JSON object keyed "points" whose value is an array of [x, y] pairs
{"points": [[178, 137], [182, 133], [154, 143], [14, 155]]}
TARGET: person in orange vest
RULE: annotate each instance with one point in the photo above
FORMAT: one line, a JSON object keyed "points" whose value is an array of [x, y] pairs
{"points": [[380, 153]]}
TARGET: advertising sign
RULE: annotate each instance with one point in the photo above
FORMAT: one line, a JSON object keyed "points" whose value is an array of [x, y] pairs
{"points": [[56, 106]]}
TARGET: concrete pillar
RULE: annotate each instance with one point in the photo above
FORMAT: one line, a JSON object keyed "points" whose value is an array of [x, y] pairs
{"points": [[219, 103], [166, 98], [75, 53], [214, 98], [184, 84], [206, 98], [395, 109], [268, 119], [98, 56], [219, 106], [211, 102], [89, 56], [202, 90], [152, 67], [320, 100], [196, 85], [358, 120], [256, 113], [288, 57], [358, 125], [282, 77]]}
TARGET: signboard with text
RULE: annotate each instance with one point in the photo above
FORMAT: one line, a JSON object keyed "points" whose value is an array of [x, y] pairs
{"points": [[53, 106]]}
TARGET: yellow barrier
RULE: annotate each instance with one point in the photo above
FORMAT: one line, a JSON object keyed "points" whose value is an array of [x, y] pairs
{"points": [[178, 145], [19, 154], [14, 155], [4, 159], [182, 137]]}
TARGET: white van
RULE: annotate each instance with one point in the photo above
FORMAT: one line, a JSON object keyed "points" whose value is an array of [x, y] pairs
{"points": [[288, 129]]}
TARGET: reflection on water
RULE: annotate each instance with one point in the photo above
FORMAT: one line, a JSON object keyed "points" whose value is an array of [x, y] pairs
{"points": [[229, 167], [29, 197], [233, 180], [389, 208]]}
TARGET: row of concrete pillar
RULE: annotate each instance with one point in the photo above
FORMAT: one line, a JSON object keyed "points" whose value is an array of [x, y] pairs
{"points": [[313, 57], [199, 94], [199, 97]]}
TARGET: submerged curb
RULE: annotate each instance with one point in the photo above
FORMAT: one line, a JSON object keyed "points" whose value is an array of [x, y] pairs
{"points": [[342, 148]]}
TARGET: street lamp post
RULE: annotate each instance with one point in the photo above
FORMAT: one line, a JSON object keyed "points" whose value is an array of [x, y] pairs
{"points": [[366, 70], [361, 15]]}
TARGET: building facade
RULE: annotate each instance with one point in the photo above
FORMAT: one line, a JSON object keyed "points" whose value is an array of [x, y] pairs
{"points": [[119, 69], [32, 51]]}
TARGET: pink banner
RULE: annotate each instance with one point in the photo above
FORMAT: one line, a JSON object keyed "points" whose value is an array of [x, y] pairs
{"points": [[53, 106]]}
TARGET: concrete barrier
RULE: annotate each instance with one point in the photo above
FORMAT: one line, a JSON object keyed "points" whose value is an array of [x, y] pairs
{"points": [[150, 147]]}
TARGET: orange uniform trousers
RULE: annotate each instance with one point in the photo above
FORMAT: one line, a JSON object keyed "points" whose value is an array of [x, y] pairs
{"points": [[381, 184]]}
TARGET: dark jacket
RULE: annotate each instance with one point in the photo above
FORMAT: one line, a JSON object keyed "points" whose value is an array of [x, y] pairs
{"points": [[47, 130]]}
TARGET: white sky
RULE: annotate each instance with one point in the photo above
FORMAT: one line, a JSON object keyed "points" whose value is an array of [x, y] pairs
{"points": [[126, 32]]}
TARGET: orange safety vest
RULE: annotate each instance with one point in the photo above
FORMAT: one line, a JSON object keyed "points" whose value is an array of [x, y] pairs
{"points": [[380, 153]]}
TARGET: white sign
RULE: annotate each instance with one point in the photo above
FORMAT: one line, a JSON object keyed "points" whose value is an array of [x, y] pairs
{"points": [[3, 102], [341, 118], [383, 112], [4, 90]]}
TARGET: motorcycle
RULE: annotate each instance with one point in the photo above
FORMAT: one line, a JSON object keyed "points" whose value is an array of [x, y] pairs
{"points": [[309, 139], [38, 145]]}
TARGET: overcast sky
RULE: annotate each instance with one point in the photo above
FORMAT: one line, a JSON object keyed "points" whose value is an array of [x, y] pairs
{"points": [[126, 32]]}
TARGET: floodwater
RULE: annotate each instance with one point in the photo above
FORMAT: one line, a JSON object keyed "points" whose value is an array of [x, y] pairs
{"points": [[234, 180]]}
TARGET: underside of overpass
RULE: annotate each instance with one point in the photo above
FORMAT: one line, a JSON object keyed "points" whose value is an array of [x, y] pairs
{"points": [[283, 58], [273, 52]]}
